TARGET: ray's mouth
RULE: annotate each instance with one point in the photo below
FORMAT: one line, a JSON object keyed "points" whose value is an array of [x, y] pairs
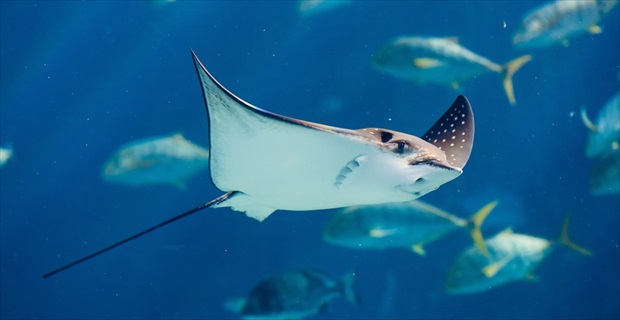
{"points": [[435, 164]]}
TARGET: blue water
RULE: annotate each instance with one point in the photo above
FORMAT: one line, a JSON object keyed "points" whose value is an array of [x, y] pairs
{"points": [[79, 79]]}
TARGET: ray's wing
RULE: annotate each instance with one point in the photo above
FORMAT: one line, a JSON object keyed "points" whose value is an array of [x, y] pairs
{"points": [[267, 157]]}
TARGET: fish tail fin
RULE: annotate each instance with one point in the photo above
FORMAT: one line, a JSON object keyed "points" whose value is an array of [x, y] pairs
{"points": [[508, 71], [475, 224], [586, 120], [566, 241], [347, 287]]}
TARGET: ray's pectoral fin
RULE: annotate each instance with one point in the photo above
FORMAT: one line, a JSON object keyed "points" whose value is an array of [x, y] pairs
{"points": [[349, 168], [453, 133]]}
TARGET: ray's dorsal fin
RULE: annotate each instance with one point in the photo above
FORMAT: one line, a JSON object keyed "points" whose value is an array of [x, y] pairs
{"points": [[453, 133]]}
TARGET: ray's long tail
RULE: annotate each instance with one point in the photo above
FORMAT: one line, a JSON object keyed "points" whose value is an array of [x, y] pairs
{"points": [[508, 70], [209, 204]]}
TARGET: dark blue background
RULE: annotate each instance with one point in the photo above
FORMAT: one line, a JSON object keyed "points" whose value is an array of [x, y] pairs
{"points": [[78, 79]]}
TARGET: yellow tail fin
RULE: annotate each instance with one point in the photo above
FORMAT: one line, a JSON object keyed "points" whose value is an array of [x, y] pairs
{"points": [[565, 240], [508, 71], [586, 121], [475, 222]]}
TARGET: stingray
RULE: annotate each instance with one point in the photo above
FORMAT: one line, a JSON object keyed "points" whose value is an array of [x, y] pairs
{"points": [[267, 162]]}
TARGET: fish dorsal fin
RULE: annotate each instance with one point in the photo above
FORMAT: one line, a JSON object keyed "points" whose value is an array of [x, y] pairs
{"points": [[453, 133]]}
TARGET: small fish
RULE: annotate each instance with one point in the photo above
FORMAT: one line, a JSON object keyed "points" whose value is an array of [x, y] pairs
{"points": [[604, 135], [169, 159], [511, 257], [292, 295], [312, 7], [5, 154], [266, 162], [409, 225], [605, 175], [556, 22], [441, 61]]}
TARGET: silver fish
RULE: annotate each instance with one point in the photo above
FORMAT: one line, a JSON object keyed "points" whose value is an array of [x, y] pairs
{"points": [[556, 22], [267, 162], [293, 295], [168, 159], [441, 61], [511, 257], [408, 225]]}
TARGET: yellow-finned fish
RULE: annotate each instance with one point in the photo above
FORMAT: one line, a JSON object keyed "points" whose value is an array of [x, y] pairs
{"points": [[511, 257], [441, 61], [407, 225], [168, 159], [556, 22]]}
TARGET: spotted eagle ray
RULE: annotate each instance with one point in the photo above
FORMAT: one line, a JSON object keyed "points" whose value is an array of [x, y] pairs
{"points": [[266, 162]]}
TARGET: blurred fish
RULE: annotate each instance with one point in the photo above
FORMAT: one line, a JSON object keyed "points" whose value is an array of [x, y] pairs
{"points": [[511, 257], [604, 136], [409, 225], [5, 154], [605, 175], [441, 61], [292, 295], [168, 159], [312, 7], [556, 22]]}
